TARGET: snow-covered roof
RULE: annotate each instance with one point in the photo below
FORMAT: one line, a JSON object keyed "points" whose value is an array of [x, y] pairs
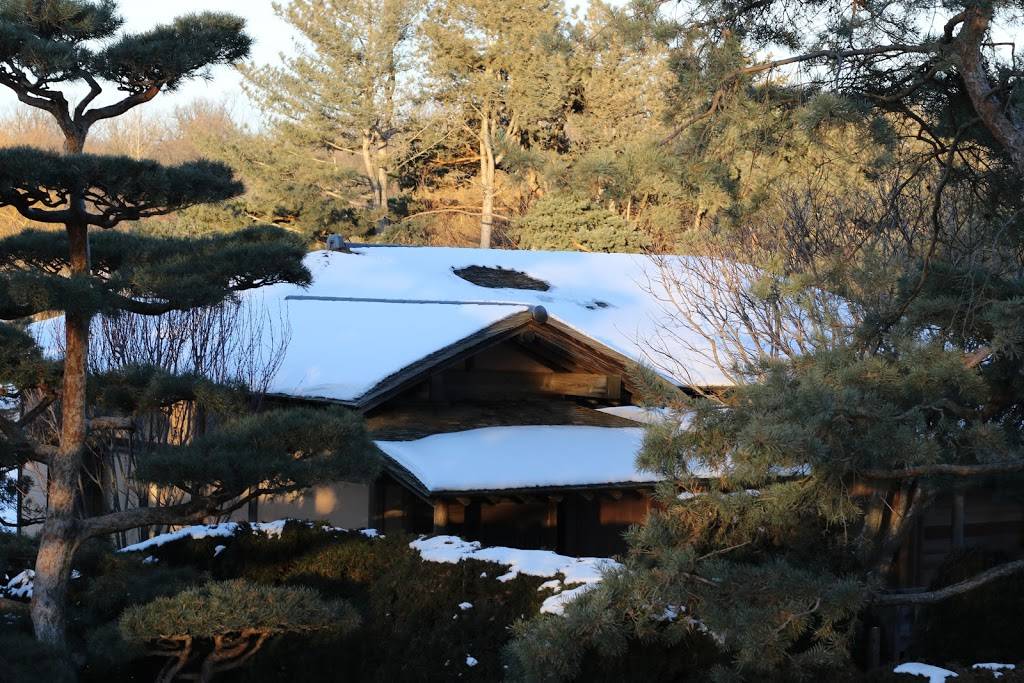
{"points": [[342, 350], [509, 458], [371, 313]]}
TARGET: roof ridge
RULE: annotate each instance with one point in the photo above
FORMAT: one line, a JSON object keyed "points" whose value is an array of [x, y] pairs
{"points": [[381, 300]]}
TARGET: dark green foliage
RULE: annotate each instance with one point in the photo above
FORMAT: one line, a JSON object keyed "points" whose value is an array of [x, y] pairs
{"points": [[21, 361], [835, 413], [68, 20], [140, 389], [223, 607], [17, 553], [119, 581], [278, 451], [107, 589], [599, 638], [42, 184], [144, 274], [776, 555], [569, 223], [170, 54], [412, 628], [25, 660]]}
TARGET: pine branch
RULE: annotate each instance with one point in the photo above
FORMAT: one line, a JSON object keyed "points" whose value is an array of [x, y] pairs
{"points": [[195, 510], [942, 469], [931, 597], [122, 107]]}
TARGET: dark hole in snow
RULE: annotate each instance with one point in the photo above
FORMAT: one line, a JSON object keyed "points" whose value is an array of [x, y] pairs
{"points": [[500, 278], [596, 304]]}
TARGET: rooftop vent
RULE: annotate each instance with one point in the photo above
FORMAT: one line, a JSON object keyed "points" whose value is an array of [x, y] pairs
{"points": [[500, 278]]}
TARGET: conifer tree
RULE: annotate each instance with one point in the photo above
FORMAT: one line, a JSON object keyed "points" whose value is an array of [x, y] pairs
{"points": [[502, 70], [340, 95], [87, 268]]}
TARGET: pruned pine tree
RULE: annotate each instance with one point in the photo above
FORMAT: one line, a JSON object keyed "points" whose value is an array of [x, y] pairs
{"points": [[86, 269], [339, 97], [503, 72], [218, 627]]}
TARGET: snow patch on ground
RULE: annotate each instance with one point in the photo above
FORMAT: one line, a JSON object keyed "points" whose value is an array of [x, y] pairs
{"points": [[557, 602], [934, 674], [20, 587], [578, 574], [200, 531], [996, 668], [227, 530]]}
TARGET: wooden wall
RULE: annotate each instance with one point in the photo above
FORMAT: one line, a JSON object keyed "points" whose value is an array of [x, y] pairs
{"points": [[989, 519], [577, 523]]}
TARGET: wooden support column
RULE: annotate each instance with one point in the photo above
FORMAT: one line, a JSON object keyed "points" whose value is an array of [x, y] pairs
{"points": [[567, 523], [958, 521], [440, 517], [551, 525]]}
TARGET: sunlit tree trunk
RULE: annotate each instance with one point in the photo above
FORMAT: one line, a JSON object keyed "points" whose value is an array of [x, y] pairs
{"points": [[487, 165]]}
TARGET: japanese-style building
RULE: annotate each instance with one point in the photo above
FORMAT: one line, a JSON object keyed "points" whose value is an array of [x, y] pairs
{"points": [[497, 385]]}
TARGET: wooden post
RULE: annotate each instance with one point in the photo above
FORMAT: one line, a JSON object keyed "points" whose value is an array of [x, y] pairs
{"points": [[551, 524], [472, 523], [567, 522], [440, 517], [874, 648]]}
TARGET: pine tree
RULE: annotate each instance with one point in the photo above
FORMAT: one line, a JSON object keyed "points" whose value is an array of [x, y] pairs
{"points": [[502, 71], [88, 269], [340, 95]]}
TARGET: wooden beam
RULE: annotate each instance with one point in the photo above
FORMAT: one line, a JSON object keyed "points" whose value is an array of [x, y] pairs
{"points": [[614, 387], [505, 385]]}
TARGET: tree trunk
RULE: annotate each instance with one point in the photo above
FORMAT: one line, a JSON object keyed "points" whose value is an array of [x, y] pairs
{"points": [[370, 168], [989, 108], [486, 182], [59, 538], [382, 175]]}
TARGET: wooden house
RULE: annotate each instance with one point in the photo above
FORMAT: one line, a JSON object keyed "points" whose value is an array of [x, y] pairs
{"points": [[496, 384]]}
